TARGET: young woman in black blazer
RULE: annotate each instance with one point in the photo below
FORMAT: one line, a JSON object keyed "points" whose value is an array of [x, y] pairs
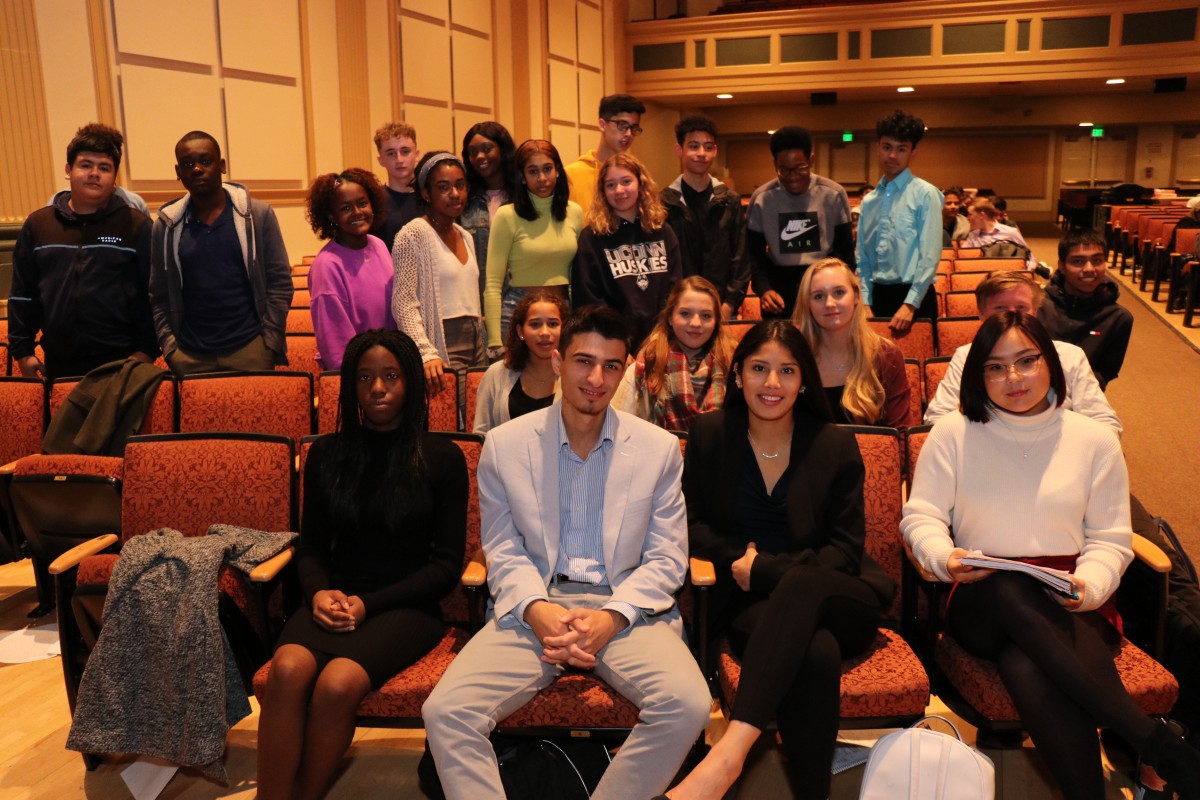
{"points": [[775, 499]]}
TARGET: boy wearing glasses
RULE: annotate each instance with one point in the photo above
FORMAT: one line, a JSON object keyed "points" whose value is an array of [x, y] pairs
{"points": [[706, 215], [619, 118], [1082, 305], [795, 220]]}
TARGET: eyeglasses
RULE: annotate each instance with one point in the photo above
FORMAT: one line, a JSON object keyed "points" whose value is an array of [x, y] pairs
{"points": [[1079, 262], [626, 127], [1024, 366], [787, 172]]}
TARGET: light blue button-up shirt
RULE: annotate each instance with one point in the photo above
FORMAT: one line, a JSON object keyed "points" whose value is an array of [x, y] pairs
{"points": [[900, 236]]}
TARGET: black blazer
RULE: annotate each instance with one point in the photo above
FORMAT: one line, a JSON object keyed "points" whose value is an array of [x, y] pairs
{"points": [[824, 501]]}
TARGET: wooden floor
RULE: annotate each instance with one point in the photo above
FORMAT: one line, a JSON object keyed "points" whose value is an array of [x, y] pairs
{"points": [[34, 722]]}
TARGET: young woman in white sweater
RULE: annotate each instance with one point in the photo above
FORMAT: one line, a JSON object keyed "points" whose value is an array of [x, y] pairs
{"points": [[1015, 475]]}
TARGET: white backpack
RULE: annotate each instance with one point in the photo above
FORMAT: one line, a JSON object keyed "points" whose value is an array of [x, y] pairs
{"points": [[920, 764]]}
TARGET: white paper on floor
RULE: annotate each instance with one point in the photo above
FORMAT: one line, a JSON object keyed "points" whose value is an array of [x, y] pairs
{"points": [[29, 644], [147, 777]]}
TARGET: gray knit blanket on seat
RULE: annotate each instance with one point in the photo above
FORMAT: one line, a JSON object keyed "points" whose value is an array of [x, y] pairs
{"points": [[162, 680]]}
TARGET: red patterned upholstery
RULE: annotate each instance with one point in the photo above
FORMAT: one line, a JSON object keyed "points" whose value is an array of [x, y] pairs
{"points": [[883, 457], [161, 418], [103, 466], [967, 281], [443, 406], [912, 371], [953, 333], [739, 328], [302, 354], [574, 701], [917, 343], [751, 308], [455, 605], [299, 320], [277, 403], [1149, 683], [329, 384], [885, 681], [300, 297], [474, 378], [935, 370], [21, 409], [961, 304], [5, 364]]}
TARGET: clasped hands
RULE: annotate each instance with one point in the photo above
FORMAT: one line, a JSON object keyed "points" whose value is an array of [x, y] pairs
{"points": [[572, 636], [336, 611]]}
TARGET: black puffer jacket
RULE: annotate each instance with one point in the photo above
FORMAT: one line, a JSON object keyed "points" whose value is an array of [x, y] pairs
{"points": [[1095, 322]]}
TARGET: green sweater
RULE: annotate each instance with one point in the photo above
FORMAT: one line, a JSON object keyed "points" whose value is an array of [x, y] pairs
{"points": [[535, 252]]}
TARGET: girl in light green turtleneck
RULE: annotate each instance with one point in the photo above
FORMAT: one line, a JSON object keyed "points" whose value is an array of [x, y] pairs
{"points": [[533, 239]]}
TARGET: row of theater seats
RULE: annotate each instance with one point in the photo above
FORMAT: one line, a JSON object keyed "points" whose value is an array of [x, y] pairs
{"points": [[1139, 239], [190, 481]]}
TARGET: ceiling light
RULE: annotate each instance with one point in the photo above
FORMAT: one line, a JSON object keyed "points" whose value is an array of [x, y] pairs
{"points": [[771, 133], [1115, 81], [724, 96], [1085, 124], [905, 89]]}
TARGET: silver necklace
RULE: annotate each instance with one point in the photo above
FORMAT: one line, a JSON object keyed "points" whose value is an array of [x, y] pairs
{"points": [[760, 452], [1025, 452]]}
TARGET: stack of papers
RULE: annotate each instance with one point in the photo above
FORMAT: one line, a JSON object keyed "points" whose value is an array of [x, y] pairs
{"points": [[1057, 579]]}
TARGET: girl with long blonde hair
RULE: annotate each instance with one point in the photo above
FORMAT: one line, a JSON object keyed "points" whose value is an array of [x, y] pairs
{"points": [[681, 370], [628, 256], [861, 372]]}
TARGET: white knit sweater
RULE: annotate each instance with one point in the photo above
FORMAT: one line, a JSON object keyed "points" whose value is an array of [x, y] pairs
{"points": [[416, 289], [1070, 495]]}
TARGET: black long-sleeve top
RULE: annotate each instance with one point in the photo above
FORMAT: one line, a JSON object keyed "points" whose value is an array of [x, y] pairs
{"points": [[414, 565]]}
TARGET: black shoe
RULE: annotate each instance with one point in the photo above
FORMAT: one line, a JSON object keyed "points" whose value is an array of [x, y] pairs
{"points": [[1175, 760]]}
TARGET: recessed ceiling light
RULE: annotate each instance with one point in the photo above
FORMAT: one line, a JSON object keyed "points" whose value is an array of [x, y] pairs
{"points": [[771, 133], [905, 89], [724, 96], [1085, 124], [1114, 81]]}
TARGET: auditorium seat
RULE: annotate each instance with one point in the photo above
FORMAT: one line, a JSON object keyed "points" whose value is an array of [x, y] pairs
{"points": [[751, 308], [912, 369], [981, 264], [961, 304], [300, 298], [302, 354], [966, 281], [954, 332], [443, 406], [23, 409], [474, 378], [161, 418], [299, 320], [329, 384], [934, 370], [739, 327], [917, 343], [253, 402]]}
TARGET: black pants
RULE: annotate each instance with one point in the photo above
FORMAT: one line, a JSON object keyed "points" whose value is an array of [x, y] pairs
{"points": [[1058, 668], [792, 643], [886, 299]]}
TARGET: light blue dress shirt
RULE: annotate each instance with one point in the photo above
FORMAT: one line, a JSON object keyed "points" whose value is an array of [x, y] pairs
{"points": [[900, 236]]}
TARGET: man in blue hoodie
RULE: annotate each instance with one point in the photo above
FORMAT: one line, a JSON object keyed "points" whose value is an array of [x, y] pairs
{"points": [[80, 270], [220, 279]]}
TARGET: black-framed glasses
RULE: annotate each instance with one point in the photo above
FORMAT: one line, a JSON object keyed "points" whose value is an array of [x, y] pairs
{"points": [[626, 127], [1024, 366], [787, 172]]}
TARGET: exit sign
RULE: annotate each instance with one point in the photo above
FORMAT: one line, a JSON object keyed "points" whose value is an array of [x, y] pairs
{"points": [[1097, 133], [847, 136]]}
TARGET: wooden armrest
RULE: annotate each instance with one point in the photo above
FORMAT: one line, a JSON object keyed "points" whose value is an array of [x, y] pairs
{"points": [[703, 572], [70, 559], [475, 573], [1150, 554], [269, 569], [8, 468]]}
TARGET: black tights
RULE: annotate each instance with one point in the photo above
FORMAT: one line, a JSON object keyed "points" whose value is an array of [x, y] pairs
{"points": [[1058, 668], [792, 643]]}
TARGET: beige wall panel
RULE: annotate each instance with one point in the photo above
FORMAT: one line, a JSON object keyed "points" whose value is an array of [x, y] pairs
{"points": [[1187, 156], [182, 30], [949, 159], [473, 79], [432, 8], [473, 14], [656, 146], [591, 89], [67, 73], [1075, 163], [261, 36], [463, 120], [560, 22], [591, 36], [435, 126], [564, 92], [298, 236], [379, 61], [266, 131], [749, 164], [1112, 159], [425, 56], [850, 162], [565, 139], [159, 107], [1154, 150], [325, 96]]}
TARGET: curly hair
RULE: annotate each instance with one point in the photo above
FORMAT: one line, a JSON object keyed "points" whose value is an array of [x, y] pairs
{"points": [[96, 138], [658, 344], [864, 396], [651, 213], [694, 123], [322, 194], [499, 136], [517, 352], [792, 137], [394, 130], [406, 466], [901, 127], [562, 189]]}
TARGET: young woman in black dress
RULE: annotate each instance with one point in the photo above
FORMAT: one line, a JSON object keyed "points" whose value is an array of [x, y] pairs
{"points": [[775, 499], [381, 542]]}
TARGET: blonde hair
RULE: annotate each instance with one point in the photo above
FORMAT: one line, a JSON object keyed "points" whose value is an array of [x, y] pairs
{"points": [[394, 130], [651, 213], [863, 397], [658, 343]]}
